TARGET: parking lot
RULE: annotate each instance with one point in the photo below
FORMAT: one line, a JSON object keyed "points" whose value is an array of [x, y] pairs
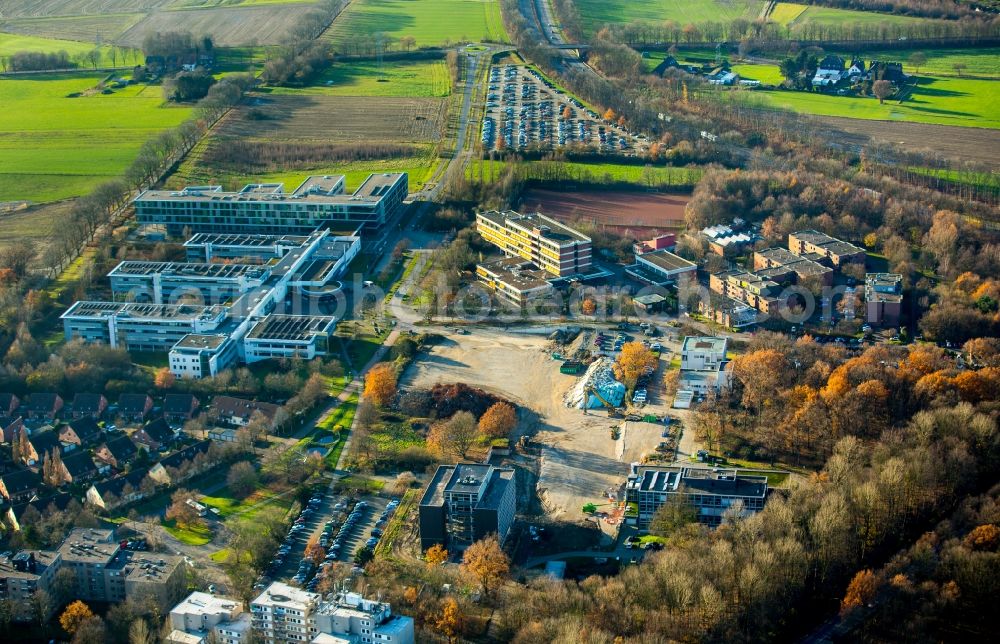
{"points": [[339, 524], [525, 110]]}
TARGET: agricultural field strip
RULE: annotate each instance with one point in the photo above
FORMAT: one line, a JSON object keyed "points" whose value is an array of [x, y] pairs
{"points": [[429, 22]]}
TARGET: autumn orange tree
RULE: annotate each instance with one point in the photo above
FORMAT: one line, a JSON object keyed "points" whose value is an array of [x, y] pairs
{"points": [[164, 378], [860, 591], [74, 616], [380, 384], [315, 552], [486, 561], [589, 306], [498, 420], [181, 511], [635, 359], [436, 555], [450, 620], [454, 436]]}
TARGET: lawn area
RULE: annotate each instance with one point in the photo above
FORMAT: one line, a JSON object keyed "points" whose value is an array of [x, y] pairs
{"points": [[59, 140], [394, 78], [343, 415], [594, 172], [228, 505], [596, 13], [786, 12], [14, 43], [189, 535], [430, 22], [766, 74], [944, 101]]}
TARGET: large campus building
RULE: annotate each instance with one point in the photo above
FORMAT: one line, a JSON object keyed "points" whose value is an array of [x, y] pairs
{"points": [[210, 316], [709, 492], [102, 572], [283, 614], [466, 502], [539, 250], [320, 201]]}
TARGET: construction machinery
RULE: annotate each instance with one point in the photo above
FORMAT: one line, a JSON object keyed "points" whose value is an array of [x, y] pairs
{"points": [[613, 412]]}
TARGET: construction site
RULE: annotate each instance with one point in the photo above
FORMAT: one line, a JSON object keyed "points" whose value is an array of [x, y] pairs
{"points": [[580, 433]]}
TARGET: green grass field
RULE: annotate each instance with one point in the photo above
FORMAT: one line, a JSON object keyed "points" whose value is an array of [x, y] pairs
{"points": [[599, 172], [53, 146], [430, 22], [943, 101], [792, 15], [13, 43], [188, 535], [365, 78], [766, 74], [595, 13]]}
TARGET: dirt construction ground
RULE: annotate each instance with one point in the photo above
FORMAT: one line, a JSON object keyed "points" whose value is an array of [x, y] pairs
{"points": [[579, 459]]}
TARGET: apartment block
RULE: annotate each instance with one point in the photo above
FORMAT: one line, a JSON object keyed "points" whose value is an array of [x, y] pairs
{"points": [[102, 571], [709, 491], [202, 617], [786, 265], [465, 503], [515, 280], [805, 242], [320, 201], [550, 245], [883, 298], [284, 614]]}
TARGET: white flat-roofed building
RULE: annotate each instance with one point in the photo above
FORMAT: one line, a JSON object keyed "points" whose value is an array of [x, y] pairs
{"points": [[266, 208], [140, 327], [362, 621], [289, 336], [202, 355], [208, 247], [703, 353], [201, 615], [711, 492], [172, 282], [283, 614]]}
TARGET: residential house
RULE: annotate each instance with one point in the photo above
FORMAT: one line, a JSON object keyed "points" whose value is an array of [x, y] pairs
{"points": [[117, 452], [237, 412], [79, 432], [857, 68], [155, 436], [79, 467], [49, 505], [19, 486], [39, 442], [829, 72], [43, 406], [92, 405], [10, 426], [180, 407], [883, 70], [134, 407], [120, 490], [181, 465], [8, 404]]}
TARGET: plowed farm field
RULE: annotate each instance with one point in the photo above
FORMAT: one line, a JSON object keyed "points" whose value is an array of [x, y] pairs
{"points": [[229, 26]]}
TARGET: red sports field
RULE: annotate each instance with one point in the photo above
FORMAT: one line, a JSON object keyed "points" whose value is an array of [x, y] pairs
{"points": [[621, 210]]}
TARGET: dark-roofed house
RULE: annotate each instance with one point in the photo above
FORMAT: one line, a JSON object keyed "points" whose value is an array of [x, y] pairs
{"points": [[117, 452], [8, 404], [464, 503], [134, 407], [182, 465], [19, 486], [92, 405], [710, 491], [79, 432], [41, 441], [44, 406], [121, 490], [57, 503], [237, 412], [180, 407], [10, 426], [156, 435], [79, 467]]}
